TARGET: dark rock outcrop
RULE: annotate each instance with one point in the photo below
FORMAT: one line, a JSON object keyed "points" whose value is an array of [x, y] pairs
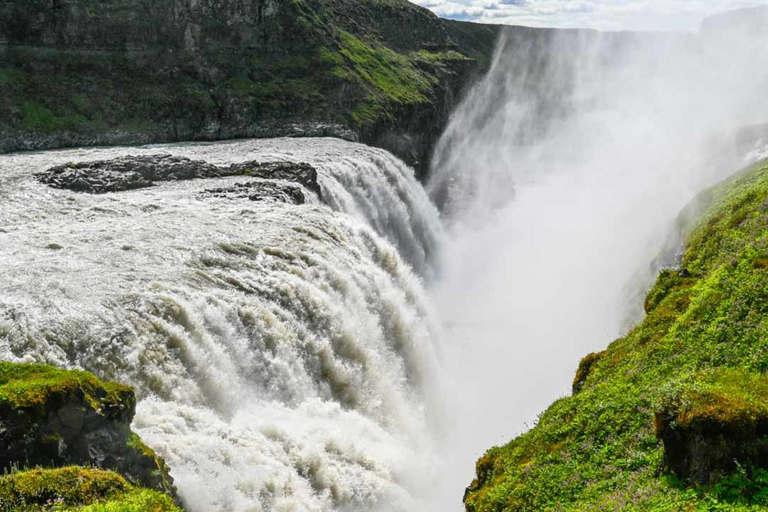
{"points": [[134, 172], [261, 190], [715, 427], [706, 449], [125, 173], [301, 173], [56, 418]]}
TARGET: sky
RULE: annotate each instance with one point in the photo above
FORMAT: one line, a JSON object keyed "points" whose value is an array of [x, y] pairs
{"points": [[674, 15]]}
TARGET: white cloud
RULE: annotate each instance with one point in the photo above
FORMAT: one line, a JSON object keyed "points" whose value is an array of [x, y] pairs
{"points": [[598, 14]]}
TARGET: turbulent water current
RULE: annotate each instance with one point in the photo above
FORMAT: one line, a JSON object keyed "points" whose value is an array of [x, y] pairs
{"points": [[281, 353]]}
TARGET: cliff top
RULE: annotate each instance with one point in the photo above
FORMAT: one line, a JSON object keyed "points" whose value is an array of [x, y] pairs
{"points": [[28, 386]]}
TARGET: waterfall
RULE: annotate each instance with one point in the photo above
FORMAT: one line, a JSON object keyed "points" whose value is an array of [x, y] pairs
{"points": [[353, 353], [282, 354]]}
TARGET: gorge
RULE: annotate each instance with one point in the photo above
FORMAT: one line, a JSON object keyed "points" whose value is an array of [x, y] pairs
{"points": [[309, 327]]}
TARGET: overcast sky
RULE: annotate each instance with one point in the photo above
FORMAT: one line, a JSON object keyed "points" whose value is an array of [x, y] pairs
{"points": [[599, 14]]}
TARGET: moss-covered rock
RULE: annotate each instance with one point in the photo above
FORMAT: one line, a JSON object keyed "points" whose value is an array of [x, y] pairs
{"points": [[583, 371], [51, 418], [713, 424], [75, 488], [674, 416]]}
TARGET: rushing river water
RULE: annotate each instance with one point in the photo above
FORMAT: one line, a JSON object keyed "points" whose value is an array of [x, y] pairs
{"points": [[281, 352]]}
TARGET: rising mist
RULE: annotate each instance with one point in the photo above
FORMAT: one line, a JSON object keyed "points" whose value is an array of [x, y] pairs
{"points": [[561, 176]]}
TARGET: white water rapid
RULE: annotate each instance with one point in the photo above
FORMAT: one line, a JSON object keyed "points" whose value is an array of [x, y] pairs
{"points": [[281, 353]]}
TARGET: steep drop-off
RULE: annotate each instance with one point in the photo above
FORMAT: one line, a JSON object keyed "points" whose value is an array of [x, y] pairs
{"points": [[672, 416], [87, 72]]}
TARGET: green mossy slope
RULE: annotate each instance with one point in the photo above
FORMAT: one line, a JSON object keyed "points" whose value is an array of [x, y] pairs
{"points": [[674, 416], [74, 488]]}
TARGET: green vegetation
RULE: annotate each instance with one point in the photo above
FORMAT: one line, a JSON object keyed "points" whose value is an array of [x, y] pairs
{"points": [[30, 386], [384, 77], [696, 364], [82, 93], [53, 418], [74, 488], [723, 396]]}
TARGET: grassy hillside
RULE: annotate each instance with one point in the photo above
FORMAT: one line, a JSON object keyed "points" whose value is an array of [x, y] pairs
{"points": [[674, 416], [126, 71]]}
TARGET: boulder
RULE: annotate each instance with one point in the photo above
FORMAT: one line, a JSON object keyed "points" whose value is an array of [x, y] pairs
{"points": [[134, 172], [714, 425]]}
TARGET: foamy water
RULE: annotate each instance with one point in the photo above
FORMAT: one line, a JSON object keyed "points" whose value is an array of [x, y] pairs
{"points": [[280, 352]]}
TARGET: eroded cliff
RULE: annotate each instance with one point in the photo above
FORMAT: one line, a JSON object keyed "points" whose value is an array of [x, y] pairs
{"points": [[88, 72]]}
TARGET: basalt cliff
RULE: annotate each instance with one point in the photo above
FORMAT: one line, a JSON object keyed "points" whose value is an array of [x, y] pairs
{"points": [[94, 72]]}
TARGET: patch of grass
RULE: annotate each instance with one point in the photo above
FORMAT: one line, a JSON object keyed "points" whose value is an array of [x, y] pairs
{"points": [[385, 80], [32, 489], [137, 500], [37, 117], [75, 488], [437, 59], [12, 78], [29, 386], [723, 396], [702, 346], [386, 77]]}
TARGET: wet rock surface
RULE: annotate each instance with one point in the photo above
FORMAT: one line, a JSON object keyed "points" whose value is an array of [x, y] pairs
{"points": [[135, 172], [125, 173], [301, 173], [261, 190]]}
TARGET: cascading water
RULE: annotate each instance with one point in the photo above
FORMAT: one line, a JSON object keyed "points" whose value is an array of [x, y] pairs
{"points": [[281, 352]]}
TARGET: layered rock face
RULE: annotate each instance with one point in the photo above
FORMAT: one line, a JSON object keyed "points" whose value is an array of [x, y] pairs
{"points": [[87, 72]]}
